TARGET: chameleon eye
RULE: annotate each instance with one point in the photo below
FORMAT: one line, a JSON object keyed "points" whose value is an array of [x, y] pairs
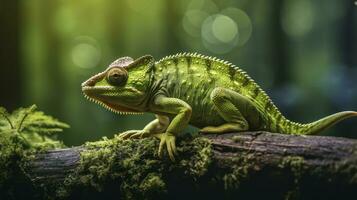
{"points": [[117, 76]]}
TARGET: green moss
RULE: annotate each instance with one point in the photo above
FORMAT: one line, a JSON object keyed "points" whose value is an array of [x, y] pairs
{"points": [[11, 152], [21, 133], [153, 185], [295, 164], [135, 167], [15, 153], [239, 172], [197, 164]]}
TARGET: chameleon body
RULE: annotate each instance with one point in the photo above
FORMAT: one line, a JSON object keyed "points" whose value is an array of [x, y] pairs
{"points": [[182, 89]]}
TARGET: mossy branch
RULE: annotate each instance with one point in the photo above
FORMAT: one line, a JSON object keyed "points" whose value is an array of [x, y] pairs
{"points": [[247, 165]]}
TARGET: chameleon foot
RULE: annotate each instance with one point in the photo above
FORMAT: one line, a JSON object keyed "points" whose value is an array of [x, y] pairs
{"points": [[167, 139]]}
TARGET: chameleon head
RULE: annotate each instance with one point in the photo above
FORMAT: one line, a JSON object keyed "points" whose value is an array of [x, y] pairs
{"points": [[122, 87]]}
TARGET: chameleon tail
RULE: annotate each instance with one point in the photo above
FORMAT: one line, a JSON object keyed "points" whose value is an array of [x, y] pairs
{"points": [[319, 125]]}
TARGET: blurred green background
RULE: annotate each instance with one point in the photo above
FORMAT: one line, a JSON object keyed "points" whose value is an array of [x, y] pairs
{"points": [[303, 53]]}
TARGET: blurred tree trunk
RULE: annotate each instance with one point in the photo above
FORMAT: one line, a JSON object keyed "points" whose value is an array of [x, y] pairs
{"points": [[279, 50], [10, 76], [172, 20], [52, 62], [348, 35], [116, 27]]}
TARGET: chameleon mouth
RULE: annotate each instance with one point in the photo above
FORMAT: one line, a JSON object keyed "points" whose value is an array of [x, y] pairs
{"points": [[111, 106]]}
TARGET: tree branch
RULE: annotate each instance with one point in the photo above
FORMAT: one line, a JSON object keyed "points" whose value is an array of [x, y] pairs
{"points": [[251, 164]]}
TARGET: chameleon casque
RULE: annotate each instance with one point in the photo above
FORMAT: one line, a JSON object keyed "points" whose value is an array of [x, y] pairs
{"points": [[190, 88]]}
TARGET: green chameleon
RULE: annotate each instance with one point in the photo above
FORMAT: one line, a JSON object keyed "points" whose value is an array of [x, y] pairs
{"points": [[190, 88]]}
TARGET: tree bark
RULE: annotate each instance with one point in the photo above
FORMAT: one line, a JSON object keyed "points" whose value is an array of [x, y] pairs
{"points": [[240, 165]]}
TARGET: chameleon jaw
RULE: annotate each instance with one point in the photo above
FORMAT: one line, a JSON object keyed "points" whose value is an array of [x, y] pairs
{"points": [[109, 106]]}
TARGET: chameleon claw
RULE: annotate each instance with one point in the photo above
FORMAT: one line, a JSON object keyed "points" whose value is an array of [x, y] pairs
{"points": [[162, 143], [127, 134], [170, 151], [140, 134], [173, 147], [167, 139]]}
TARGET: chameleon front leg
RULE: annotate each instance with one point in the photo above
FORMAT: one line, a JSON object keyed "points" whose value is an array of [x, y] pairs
{"points": [[156, 126], [182, 114]]}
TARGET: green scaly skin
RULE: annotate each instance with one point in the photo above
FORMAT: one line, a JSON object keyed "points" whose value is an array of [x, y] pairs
{"points": [[183, 89]]}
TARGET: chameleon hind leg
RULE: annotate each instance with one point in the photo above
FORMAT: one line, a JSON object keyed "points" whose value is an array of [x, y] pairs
{"points": [[156, 126], [228, 104]]}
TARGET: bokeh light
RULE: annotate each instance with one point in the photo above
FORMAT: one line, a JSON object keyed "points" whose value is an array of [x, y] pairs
{"points": [[297, 17], [214, 38], [192, 22], [243, 22], [222, 32], [220, 29], [85, 53], [224, 29]]}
